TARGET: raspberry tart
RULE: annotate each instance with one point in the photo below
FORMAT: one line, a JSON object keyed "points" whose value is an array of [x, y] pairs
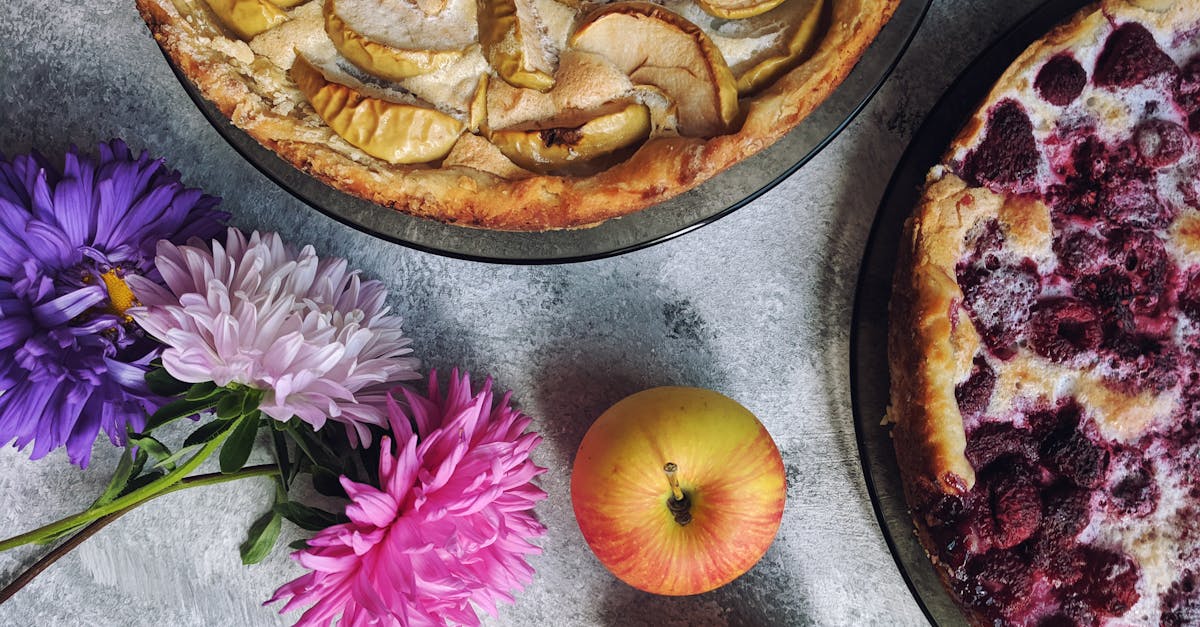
{"points": [[515, 114], [1044, 341]]}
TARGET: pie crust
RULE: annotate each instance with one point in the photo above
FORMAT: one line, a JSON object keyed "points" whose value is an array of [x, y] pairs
{"points": [[476, 186], [937, 335]]}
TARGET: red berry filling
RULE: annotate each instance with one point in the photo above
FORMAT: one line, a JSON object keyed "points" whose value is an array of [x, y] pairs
{"points": [[1131, 56], [1015, 536], [1161, 143], [1181, 602], [1061, 80], [1133, 490], [974, 393], [1187, 93], [1063, 328], [1007, 158]]}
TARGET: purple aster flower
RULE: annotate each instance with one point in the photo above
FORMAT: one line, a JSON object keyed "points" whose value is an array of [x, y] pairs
{"points": [[71, 360]]}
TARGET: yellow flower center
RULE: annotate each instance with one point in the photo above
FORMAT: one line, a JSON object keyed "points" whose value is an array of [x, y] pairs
{"points": [[120, 297]]}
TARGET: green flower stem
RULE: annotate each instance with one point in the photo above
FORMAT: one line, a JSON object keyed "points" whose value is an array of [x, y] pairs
{"points": [[266, 470], [134, 498]]}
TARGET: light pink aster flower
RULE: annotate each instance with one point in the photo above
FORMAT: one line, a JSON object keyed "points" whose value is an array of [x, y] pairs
{"points": [[311, 334], [448, 525]]}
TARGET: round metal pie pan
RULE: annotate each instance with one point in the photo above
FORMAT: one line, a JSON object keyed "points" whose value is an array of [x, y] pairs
{"points": [[718, 197]]}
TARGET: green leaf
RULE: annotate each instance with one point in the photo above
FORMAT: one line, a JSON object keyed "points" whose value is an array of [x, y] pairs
{"points": [[206, 432], [327, 482], [203, 391], [172, 459], [316, 450], [236, 449], [230, 406], [176, 409], [162, 383], [155, 449], [297, 545], [283, 459], [250, 400], [141, 481], [129, 466], [261, 538], [308, 518]]}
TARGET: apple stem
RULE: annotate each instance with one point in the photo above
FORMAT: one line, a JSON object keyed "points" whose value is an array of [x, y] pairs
{"points": [[679, 504]]}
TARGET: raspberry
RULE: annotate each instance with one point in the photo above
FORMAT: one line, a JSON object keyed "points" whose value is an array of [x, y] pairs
{"points": [[1064, 515], [1134, 491], [1007, 158], [1131, 56], [1061, 80], [1063, 328], [1142, 362], [991, 441], [974, 394], [1187, 93], [1143, 257], [1016, 507], [1073, 455], [1109, 582], [998, 580], [1110, 291], [1189, 296], [1161, 143], [1079, 252], [1134, 201]]}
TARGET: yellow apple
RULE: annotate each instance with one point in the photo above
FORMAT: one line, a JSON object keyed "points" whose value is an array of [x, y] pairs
{"points": [[247, 18], [477, 120], [737, 9], [654, 46], [575, 142], [510, 35], [383, 58], [392, 131], [678, 490], [800, 45]]}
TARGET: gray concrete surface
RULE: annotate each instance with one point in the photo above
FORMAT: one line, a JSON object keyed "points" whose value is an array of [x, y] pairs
{"points": [[756, 306]]}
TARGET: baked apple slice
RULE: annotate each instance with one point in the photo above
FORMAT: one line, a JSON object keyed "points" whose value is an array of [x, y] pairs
{"points": [[397, 39], [392, 131], [247, 18], [654, 46], [575, 142], [737, 9], [799, 46], [514, 43]]}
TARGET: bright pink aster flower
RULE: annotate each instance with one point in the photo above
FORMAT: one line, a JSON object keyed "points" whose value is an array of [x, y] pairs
{"points": [[449, 524], [311, 334]]}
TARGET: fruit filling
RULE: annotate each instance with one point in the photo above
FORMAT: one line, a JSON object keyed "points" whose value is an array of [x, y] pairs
{"points": [[1066, 500]]}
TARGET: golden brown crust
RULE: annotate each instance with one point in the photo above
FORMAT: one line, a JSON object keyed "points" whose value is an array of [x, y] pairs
{"points": [[931, 341], [662, 168]]}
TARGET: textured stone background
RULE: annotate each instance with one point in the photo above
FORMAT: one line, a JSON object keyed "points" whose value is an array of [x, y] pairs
{"points": [[756, 306]]}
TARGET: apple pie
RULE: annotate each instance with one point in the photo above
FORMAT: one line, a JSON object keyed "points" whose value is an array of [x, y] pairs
{"points": [[1044, 341], [515, 114]]}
